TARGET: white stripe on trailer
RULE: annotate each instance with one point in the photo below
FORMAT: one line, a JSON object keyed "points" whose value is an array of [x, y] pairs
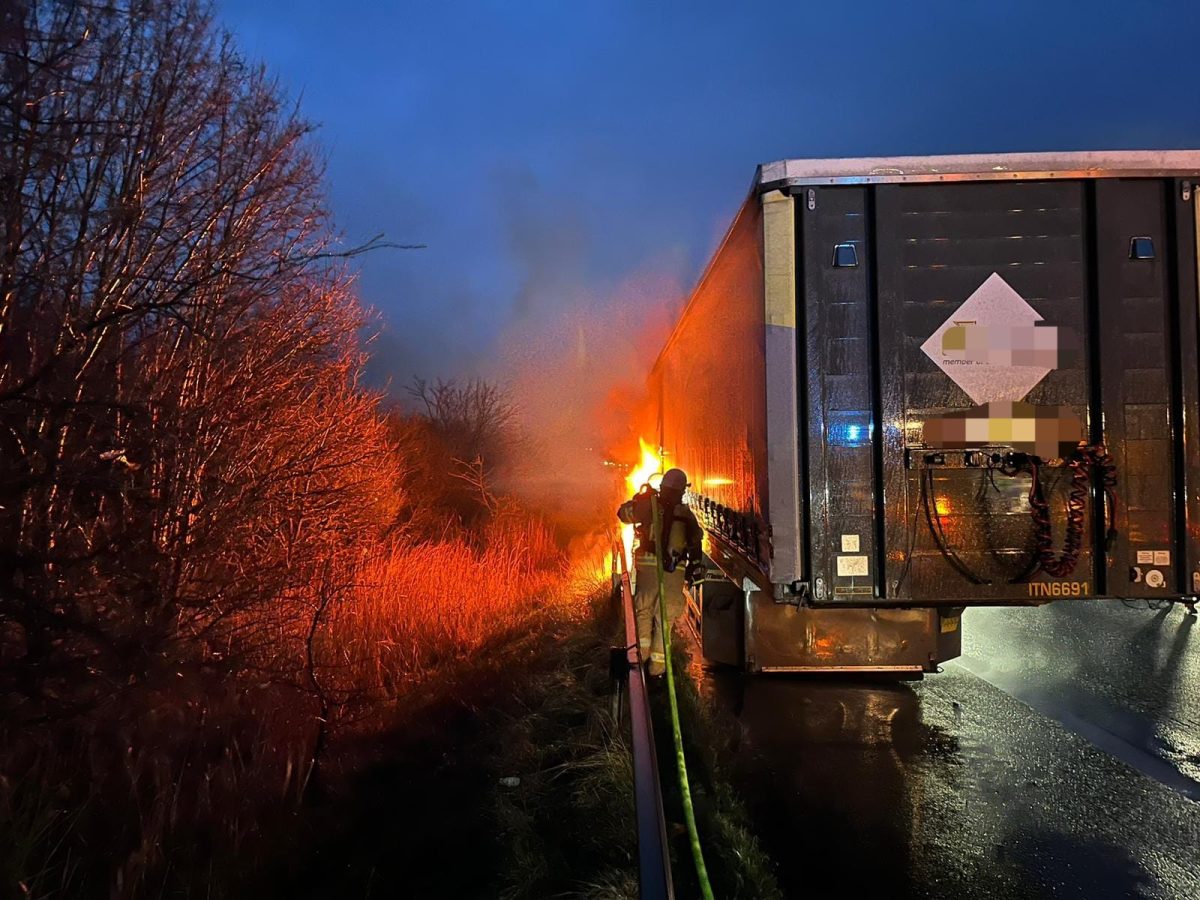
{"points": [[783, 450]]}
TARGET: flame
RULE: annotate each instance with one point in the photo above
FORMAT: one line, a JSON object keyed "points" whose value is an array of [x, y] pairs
{"points": [[643, 473]]}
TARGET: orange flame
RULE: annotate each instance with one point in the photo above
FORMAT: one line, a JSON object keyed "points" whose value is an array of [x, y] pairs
{"points": [[643, 473]]}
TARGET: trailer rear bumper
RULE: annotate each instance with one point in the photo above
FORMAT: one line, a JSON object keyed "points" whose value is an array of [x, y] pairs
{"points": [[748, 628], [781, 637]]}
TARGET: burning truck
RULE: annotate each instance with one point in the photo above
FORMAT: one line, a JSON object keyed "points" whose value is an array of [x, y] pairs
{"points": [[906, 386]]}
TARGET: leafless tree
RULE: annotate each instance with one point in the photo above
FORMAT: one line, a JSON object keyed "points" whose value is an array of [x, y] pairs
{"points": [[183, 442], [457, 447], [475, 417]]}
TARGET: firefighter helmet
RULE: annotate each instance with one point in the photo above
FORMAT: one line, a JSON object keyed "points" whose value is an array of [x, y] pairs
{"points": [[674, 480]]}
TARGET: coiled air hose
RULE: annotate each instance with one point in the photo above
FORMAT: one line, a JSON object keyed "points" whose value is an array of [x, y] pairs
{"points": [[1082, 464], [1089, 459]]}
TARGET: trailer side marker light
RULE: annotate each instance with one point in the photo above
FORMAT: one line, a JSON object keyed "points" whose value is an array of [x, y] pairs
{"points": [[843, 433], [845, 256], [1141, 248]]}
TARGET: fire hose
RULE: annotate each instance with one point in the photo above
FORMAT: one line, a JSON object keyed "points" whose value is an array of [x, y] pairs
{"points": [[685, 791]]}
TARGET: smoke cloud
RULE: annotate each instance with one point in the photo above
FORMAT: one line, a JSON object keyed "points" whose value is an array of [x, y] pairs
{"points": [[575, 356]]}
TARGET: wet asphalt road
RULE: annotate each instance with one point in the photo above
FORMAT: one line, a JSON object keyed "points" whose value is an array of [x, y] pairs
{"points": [[1059, 758]]}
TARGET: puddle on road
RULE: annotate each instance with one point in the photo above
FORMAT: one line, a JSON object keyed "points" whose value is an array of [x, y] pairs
{"points": [[832, 772], [935, 790]]}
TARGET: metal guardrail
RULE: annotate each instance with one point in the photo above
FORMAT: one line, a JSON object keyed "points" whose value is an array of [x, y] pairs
{"points": [[654, 859]]}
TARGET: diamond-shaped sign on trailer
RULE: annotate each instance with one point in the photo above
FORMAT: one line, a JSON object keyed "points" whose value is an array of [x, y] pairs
{"points": [[992, 346]]}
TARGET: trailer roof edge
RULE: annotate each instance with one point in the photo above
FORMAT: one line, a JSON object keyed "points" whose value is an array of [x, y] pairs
{"points": [[980, 167], [704, 275]]}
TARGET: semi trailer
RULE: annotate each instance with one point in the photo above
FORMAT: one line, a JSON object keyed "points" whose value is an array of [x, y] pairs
{"points": [[907, 386]]}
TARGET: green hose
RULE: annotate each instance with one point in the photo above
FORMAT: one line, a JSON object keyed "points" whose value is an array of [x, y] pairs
{"points": [[685, 791]]}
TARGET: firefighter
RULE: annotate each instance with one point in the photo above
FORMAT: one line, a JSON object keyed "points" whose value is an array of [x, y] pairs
{"points": [[678, 541]]}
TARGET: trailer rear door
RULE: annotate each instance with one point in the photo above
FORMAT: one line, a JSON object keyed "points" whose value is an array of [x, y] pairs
{"points": [[886, 269]]}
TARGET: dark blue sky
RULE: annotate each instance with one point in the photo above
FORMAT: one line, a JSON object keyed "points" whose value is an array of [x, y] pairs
{"points": [[540, 146]]}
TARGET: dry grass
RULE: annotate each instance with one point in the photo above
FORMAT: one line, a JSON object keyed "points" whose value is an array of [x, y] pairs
{"points": [[197, 778], [421, 606], [149, 798]]}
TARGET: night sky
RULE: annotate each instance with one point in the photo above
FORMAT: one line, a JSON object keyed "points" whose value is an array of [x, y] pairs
{"points": [[548, 151]]}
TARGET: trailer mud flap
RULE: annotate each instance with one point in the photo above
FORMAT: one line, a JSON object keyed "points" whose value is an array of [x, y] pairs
{"points": [[722, 622]]}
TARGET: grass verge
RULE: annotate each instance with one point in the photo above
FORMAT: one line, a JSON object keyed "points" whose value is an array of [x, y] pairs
{"points": [[504, 776], [508, 780], [569, 822], [737, 865]]}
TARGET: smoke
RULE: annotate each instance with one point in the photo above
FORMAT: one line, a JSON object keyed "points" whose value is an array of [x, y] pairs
{"points": [[577, 378], [575, 356]]}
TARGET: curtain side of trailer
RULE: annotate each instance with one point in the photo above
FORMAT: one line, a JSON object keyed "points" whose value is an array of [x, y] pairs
{"points": [[708, 384]]}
